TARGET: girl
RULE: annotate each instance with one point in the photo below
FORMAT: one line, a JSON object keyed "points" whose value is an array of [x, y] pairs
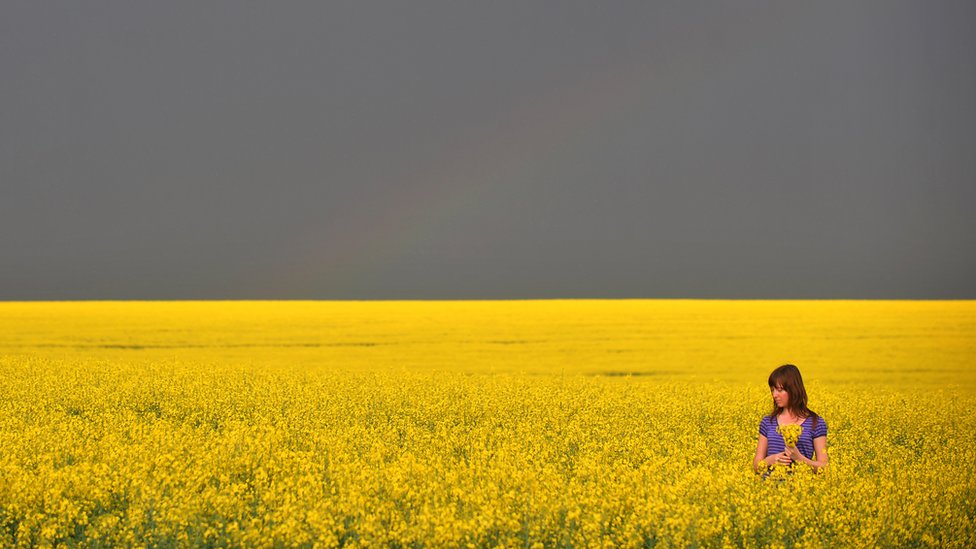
{"points": [[790, 407]]}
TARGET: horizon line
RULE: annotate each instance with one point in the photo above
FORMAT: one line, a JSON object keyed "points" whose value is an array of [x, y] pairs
{"points": [[469, 300]]}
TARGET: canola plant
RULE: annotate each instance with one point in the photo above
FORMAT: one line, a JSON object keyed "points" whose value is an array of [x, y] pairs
{"points": [[529, 424]]}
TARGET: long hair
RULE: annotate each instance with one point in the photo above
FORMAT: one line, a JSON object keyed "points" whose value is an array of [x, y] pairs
{"points": [[788, 377]]}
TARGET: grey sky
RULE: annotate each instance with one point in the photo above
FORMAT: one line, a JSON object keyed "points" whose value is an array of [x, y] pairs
{"points": [[389, 150]]}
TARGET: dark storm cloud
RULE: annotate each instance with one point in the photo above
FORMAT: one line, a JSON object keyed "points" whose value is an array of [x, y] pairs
{"points": [[490, 150]]}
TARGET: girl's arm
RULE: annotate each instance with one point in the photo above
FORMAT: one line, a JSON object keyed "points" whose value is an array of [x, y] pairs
{"points": [[819, 452], [762, 462], [761, 449]]}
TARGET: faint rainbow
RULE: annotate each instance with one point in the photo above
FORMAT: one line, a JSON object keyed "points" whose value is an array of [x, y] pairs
{"points": [[461, 175]]}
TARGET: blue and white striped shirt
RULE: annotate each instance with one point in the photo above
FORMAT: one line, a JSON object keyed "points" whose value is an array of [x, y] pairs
{"points": [[767, 428]]}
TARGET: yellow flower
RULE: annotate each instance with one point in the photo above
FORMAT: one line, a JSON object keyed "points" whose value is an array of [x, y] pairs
{"points": [[791, 433], [467, 424]]}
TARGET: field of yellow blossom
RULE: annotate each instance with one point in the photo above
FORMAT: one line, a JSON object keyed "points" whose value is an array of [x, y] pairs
{"points": [[517, 424]]}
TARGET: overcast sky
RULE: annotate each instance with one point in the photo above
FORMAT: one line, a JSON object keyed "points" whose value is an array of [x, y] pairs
{"points": [[487, 150]]}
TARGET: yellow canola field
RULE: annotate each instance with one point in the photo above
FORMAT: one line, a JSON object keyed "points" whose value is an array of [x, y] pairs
{"points": [[531, 424]]}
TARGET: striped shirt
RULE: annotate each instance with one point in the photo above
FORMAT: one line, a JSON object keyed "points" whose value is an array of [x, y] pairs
{"points": [[767, 428]]}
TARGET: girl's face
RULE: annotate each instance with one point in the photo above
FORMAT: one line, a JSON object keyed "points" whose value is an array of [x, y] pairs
{"points": [[780, 397]]}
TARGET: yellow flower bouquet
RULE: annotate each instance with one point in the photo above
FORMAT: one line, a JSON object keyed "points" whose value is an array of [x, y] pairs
{"points": [[791, 434]]}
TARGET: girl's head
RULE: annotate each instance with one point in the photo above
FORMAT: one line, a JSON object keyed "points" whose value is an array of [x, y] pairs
{"points": [[786, 387]]}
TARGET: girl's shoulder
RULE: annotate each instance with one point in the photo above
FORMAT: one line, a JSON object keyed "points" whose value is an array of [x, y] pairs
{"points": [[814, 417], [817, 424]]}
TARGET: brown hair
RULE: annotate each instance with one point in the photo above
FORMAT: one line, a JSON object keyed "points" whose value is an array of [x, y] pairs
{"points": [[788, 377]]}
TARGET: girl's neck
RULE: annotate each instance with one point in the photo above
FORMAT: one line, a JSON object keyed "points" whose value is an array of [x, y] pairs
{"points": [[790, 416]]}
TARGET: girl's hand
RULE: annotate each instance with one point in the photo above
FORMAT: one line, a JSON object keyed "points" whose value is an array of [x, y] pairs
{"points": [[782, 458], [794, 453]]}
